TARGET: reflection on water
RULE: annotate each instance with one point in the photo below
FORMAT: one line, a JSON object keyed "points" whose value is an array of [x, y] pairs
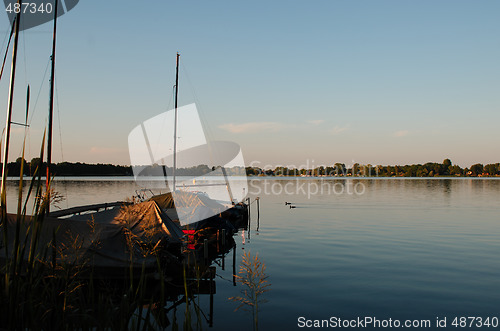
{"points": [[403, 249], [406, 248], [189, 297], [185, 300]]}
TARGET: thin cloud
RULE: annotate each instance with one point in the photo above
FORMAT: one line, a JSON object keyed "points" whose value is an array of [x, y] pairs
{"points": [[253, 127], [338, 130], [316, 122], [401, 133]]}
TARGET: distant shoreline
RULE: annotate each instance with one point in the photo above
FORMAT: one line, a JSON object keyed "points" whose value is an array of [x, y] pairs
{"points": [[337, 170], [274, 178]]}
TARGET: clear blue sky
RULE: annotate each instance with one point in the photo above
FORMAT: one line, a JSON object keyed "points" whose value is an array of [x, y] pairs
{"points": [[380, 82]]}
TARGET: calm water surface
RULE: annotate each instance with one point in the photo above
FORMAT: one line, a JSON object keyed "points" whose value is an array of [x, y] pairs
{"points": [[392, 248]]}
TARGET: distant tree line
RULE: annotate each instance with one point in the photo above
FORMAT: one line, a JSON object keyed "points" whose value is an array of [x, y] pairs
{"points": [[84, 169], [67, 168], [429, 169]]}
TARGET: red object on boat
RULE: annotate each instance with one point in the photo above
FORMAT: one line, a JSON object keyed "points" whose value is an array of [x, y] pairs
{"points": [[190, 235]]}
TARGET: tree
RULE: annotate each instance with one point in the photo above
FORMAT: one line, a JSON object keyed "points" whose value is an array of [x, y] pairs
{"points": [[15, 168], [19, 160], [490, 169], [319, 171], [340, 169], [477, 169], [34, 163], [438, 169], [455, 170], [380, 170], [330, 171], [355, 169], [422, 172], [445, 169], [250, 171], [367, 170]]}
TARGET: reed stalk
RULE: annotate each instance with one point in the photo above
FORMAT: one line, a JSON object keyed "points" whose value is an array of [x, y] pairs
{"points": [[252, 275], [43, 287]]}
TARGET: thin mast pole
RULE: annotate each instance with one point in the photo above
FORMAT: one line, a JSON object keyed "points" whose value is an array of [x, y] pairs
{"points": [[51, 106], [175, 120], [5, 158]]}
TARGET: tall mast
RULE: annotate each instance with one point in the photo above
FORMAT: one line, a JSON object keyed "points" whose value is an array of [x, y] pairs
{"points": [[175, 120], [5, 158], [51, 106]]}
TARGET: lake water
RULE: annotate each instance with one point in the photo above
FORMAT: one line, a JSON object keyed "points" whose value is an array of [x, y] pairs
{"points": [[400, 249]]}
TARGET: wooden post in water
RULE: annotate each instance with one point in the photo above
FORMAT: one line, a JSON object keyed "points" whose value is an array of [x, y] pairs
{"points": [[258, 213], [218, 241], [223, 261], [212, 290], [249, 216], [248, 205], [205, 249], [234, 265]]}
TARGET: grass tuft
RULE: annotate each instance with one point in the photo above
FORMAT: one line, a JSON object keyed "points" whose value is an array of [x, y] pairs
{"points": [[252, 275]]}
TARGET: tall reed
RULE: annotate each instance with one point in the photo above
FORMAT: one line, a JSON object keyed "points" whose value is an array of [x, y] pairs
{"points": [[252, 275], [48, 286]]}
